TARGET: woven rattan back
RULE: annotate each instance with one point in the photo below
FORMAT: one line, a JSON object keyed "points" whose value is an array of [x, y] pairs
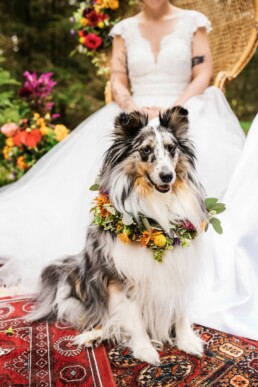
{"points": [[233, 39]]}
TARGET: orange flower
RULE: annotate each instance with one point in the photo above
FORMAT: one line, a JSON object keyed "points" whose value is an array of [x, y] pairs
{"points": [[124, 237], [104, 213], [102, 199], [151, 235], [203, 225], [41, 122], [9, 142], [145, 238], [21, 164]]}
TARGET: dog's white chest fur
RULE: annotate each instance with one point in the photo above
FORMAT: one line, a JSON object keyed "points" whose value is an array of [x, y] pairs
{"points": [[159, 288]]}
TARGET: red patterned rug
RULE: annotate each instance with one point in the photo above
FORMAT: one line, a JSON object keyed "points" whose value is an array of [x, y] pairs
{"points": [[228, 361], [42, 355]]}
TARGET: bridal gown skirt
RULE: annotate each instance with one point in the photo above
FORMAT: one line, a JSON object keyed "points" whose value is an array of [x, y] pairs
{"points": [[44, 216]]}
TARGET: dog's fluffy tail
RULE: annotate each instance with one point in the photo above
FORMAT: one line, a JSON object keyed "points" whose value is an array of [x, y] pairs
{"points": [[46, 294]]}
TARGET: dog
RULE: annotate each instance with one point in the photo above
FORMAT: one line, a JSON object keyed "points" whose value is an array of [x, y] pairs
{"points": [[114, 290]]}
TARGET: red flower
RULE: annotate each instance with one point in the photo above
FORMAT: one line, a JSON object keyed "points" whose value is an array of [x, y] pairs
{"points": [[86, 12], [30, 139], [82, 33], [93, 41], [20, 138], [93, 18], [25, 92], [33, 138], [188, 225]]}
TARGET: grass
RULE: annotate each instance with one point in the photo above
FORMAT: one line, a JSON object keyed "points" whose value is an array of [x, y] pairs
{"points": [[245, 126]]}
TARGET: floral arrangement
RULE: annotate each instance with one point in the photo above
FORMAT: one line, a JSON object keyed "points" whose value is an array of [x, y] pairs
{"points": [[150, 234], [92, 23], [28, 140]]}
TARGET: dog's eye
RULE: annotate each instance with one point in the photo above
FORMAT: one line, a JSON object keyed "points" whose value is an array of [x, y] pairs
{"points": [[147, 150], [171, 148]]}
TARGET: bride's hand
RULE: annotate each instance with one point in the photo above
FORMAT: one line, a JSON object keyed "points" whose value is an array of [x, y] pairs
{"points": [[151, 112]]}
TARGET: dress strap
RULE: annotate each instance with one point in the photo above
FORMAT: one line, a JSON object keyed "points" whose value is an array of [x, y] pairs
{"points": [[200, 20]]}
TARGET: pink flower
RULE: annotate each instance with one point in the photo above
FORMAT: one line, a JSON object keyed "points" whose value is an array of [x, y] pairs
{"points": [[9, 129], [39, 86]]}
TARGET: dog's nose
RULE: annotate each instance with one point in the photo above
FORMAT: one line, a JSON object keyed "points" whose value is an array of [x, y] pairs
{"points": [[166, 177]]}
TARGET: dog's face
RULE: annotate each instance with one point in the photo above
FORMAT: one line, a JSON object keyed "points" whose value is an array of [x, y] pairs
{"points": [[152, 155]]}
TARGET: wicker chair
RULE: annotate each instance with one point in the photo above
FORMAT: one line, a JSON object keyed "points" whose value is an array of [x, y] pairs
{"points": [[233, 39]]}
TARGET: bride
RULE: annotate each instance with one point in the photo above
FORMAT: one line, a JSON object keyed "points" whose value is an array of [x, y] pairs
{"points": [[163, 52]]}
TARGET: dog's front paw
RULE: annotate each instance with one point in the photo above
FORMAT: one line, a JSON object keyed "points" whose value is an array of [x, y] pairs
{"points": [[146, 353], [89, 338], [190, 343]]}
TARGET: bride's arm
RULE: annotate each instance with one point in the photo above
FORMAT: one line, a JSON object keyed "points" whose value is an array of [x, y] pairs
{"points": [[119, 76], [202, 67]]}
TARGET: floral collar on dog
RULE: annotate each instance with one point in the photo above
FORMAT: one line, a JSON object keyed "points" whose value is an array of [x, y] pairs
{"points": [[150, 234]]}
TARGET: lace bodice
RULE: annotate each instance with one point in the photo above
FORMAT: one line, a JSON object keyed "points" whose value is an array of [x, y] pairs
{"points": [[160, 81]]}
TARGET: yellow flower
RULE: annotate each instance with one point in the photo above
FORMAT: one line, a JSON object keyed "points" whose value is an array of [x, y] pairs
{"points": [[84, 22], [21, 164], [36, 116], [101, 24], [9, 142], [124, 237], [112, 4], [82, 40], [44, 130], [159, 240], [60, 132], [41, 122], [6, 152]]}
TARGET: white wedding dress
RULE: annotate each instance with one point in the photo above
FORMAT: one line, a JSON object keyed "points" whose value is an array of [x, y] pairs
{"points": [[45, 215]]}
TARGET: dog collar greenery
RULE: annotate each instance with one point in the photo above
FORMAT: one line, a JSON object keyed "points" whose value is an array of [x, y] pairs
{"points": [[148, 233]]}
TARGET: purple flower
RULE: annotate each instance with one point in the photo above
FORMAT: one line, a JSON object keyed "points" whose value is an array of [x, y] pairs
{"points": [[41, 87], [55, 116], [37, 91]]}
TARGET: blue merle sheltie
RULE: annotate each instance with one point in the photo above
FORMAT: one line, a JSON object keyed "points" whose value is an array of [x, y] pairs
{"points": [[117, 290]]}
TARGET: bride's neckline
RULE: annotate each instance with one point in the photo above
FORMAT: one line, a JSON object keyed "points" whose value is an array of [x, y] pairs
{"points": [[156, 54]]}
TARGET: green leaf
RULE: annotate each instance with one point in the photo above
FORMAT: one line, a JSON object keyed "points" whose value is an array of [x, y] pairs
{"points": [[127, 220], [219, 208], [216, 225], [210, 202], [94, 187]]}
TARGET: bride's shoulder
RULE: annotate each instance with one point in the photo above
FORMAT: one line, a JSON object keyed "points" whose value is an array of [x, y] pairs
{"points": [[122, 27], [195, 19]]}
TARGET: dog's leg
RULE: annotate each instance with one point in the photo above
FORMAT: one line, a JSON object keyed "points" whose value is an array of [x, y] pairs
{"points": [[89, 338], [186, 338], [127, 315]]}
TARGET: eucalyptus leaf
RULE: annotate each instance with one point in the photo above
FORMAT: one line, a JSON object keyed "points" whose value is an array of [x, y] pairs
{"points": [[127, 220], [94, 187], [146, 223], [111, 210], [219, 208], [216, 225], [210, 202]]}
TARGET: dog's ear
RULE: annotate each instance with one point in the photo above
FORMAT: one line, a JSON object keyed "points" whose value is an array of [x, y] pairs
{"points": [[175, 120], [129, 124]]}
